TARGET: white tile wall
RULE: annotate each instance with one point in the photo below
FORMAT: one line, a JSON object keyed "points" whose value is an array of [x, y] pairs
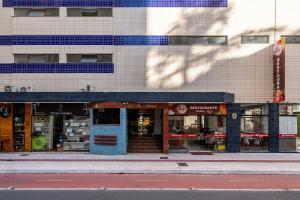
{"points": [[245, 70]]}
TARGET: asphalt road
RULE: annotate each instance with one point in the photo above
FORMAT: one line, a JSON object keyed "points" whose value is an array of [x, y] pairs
{"points": [[148, 195]]}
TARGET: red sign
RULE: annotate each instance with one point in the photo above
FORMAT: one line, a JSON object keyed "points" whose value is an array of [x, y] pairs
{"points": [[287, 135], [198, 109], [255, 135], [184, 135], [279, 71]]}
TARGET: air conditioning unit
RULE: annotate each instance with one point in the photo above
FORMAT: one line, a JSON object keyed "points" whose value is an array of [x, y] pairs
{"points": [[90, 88], [25, 89], [7, 88]]}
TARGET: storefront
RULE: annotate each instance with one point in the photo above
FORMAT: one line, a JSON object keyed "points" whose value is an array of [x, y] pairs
{"points": [[121, 127], [197, 127], [159, 127], [254, 127], [289, 118], [60, 127]]}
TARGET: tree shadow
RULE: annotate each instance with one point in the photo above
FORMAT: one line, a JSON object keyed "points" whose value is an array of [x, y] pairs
{"points": [[243, 69]]}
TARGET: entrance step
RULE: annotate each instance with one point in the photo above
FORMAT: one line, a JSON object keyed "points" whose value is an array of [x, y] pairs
{"points": [[144, 151], [145, 144]]}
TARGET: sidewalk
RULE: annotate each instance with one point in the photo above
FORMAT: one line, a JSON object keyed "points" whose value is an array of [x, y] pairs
{"points": [[183, 163]]}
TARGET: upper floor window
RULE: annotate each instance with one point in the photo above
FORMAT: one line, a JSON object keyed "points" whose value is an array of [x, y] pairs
{"points": [[200, 40], [90, 12], [89, 58], [255, 39], [36, 58], [292, 39], [36, 12]]}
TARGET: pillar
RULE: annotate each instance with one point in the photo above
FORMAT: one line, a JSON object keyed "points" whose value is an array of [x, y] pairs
{"points": [[274, 127], [233, 128], [165, 131]]}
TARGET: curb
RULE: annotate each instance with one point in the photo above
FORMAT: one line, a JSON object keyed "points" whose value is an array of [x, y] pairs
{"points": [[175, 171], [149, 189]]}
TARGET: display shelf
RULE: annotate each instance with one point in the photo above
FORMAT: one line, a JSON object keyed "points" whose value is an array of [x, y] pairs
{"points": [[18, 135], [77, 133]]}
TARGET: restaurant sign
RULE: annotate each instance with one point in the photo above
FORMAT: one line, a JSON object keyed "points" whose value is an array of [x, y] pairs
{"points": [[279, 71], [198, 109]]}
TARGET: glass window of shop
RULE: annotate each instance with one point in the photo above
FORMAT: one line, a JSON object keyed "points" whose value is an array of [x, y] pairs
{"points": [[254, 127], [60, 127], [194, 133], [289, 131]]}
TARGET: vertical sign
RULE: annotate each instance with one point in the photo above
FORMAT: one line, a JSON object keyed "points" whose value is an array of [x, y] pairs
{"points": [[279, 71]]}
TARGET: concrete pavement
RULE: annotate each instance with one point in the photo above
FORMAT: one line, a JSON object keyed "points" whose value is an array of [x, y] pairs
{"points": [[84, 156], [219, 163]]}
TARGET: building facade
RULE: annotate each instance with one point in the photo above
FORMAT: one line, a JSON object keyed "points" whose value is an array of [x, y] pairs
{"points": [[117, 76]]}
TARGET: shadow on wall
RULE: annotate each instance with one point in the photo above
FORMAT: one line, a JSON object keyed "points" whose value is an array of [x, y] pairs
{"points": [[235, 68]]}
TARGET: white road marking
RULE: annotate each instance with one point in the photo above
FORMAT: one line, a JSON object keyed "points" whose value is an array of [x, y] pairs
{"points": [[52, 180]]}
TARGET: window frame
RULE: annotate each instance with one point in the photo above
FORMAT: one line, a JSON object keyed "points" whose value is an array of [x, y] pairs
{"points": [[243, 37], [79, 11], [187, 40], [28, 10]]}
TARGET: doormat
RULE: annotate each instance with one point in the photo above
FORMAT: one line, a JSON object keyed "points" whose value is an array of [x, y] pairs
{"points": [[202, 153]]}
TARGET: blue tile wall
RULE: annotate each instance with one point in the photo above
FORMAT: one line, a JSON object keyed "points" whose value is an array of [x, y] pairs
{"points": [[274, 128], [233, 128], [140, 40], [62, 40], [57, 68], [5, 40], [115, 3], [83, 40]]}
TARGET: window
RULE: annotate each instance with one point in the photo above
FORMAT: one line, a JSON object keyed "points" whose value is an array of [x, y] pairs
{"points": [[254, 127], [255, 39], [292, 39], [89, 58], [197, 133], [106, 116], [90, 12], [36, 12], [36, 58], [194, 40]]}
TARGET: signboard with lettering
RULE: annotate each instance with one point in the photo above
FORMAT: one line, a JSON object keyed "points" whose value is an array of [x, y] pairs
{"points": [[198, 109], [79, 109], [279, 71], [174, 109]]}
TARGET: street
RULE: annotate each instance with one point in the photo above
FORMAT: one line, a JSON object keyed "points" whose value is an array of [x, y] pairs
{"points": [[148, 195], [151, 181]]}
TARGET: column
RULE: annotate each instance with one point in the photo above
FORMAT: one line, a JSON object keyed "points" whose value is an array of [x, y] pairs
{"points": [[274, 127], [233, 128], [166, 131]]}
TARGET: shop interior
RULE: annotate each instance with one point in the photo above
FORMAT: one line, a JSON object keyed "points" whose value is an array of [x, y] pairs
{"points": [[254, 127], [19, 127], [289, 127], [144, 122], [197, 133], [61, 130]]}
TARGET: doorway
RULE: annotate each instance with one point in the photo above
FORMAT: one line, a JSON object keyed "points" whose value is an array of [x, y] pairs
{"points": [[144, 131]]}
